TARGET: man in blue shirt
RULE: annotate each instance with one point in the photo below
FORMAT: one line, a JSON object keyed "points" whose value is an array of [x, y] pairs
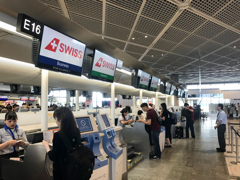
{"points": [[221, 128]]}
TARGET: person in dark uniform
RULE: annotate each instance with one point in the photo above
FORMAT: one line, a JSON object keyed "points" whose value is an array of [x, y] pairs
{"points": [[190, 120], [67, 124]]}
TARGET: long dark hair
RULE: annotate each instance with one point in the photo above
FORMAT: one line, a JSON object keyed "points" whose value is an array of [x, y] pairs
{"points": [[11, 115], [68, 122], [164, 106], [124, 111], [129, 109]]}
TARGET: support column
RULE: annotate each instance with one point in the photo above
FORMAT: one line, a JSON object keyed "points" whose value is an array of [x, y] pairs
{"points": [[77, 99], [113, 103], [140, 96], [44, 99], [147, 100], [156, 101], [67, 97], [134, 101]]}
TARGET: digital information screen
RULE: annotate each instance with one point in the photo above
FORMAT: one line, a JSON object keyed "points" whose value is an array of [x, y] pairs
{"points": [[3, 98], [31, 98], [154, 84], [106, 120], [61, 53], [23, 98], [172, 90], [103, 67], [84, 124], [180, 92], [168, 88], [144, 80]]}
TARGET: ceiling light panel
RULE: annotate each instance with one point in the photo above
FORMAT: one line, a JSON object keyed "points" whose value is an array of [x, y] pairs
{"points": [[164, 45], [155, 53], [92, 9], [161, 10], [209, 7], [236, 45], [116, 32], [210, 46], [135, 55], [148, 26], [188, 21], [225, 51], [118, 44], [139, 38], [130, 5], [92, 25], [175, 35], [193, 41], [209, 30], [181, 49], [226, 37], [136, 49], [230, 14], [120, 17]]}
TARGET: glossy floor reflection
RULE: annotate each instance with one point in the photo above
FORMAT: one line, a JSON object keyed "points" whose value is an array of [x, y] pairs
{"points": [[188, 159]]}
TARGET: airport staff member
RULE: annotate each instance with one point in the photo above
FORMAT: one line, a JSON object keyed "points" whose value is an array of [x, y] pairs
{"points": [[152, 120], [124, 119], [11, 137], [221, 128]]}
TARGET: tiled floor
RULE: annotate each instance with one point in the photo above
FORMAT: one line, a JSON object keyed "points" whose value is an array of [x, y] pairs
{"points": [[188, 159]]}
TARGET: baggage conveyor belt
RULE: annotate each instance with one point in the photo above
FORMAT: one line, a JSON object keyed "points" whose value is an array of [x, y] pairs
{"points": [[136, 158]]}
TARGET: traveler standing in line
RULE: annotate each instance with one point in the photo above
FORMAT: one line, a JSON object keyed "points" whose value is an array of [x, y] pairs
{"points": [[66, 122], [237, 105], [154, 107], [190, 121], [164, 115], [152, 120], [221, 128]]}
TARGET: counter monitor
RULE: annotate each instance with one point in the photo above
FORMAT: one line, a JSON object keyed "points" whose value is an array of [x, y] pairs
{"points": [[84, 124], [168, 88], [105, 120]]}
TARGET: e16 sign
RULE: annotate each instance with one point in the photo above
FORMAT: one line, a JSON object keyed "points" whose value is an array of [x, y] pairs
{"points": [[29, 26]]}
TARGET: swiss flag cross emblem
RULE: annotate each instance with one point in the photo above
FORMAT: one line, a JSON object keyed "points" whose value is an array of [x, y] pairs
{"points": [[99, 62], [52, 46]]}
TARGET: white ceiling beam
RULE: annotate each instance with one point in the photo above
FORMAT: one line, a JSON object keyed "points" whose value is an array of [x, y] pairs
{"points": [[103, 17], [169, 24], [135, 23], [64, 8]]}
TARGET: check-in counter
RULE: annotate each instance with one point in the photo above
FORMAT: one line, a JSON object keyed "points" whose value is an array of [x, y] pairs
{"points": [[36, 165]]}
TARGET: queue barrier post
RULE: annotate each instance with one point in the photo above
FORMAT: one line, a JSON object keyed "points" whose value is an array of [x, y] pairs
{"points": [[229, 138], [231, 129], [236, 162]]}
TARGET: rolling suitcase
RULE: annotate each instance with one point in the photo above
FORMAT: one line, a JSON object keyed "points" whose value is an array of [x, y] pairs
{"points": [[179, 132]]}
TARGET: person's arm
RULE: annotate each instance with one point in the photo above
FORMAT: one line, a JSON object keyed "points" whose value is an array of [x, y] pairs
{"points": [[191, 109], [24, 142], [124, 122], [218, 124], [161, 113], [8, 143], [54, 153], [148, 121]]}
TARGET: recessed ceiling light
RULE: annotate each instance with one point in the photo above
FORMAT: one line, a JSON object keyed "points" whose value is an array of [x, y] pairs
{"points": [[145, 36], [235, 47], [133, 38], [162, 54], [152, 55]]}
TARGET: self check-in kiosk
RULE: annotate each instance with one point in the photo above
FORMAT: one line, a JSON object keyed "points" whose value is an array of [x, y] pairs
{"points": [[114, 152], [90, 137]]}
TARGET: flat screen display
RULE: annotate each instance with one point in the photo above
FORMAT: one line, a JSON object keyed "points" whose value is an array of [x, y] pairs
{"points": [[154, 84], [168, 88], [186, 94], [119, 64], [84, 124], [23, 98], [106, 120], [31, 98], [172, 90], [103, 67], [61, 53], [3, 98], [180, 92], [144, 80]]}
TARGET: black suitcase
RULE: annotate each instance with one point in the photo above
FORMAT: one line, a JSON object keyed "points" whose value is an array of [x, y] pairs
{"points": [[179, 132]]}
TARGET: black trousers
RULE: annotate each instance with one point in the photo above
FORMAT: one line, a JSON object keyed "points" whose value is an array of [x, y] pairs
{"points": [[168, 131], [148, 130], [221, 138], [189, 124]]}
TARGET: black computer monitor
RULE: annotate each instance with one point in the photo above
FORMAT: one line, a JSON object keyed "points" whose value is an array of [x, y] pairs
{"points": [[84, 124], [37, 137], [106, 120]]}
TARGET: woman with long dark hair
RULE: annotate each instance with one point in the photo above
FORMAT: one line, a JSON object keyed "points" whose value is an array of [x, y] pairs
{"points": [[66, 122], [124, 118], [164, 115]]}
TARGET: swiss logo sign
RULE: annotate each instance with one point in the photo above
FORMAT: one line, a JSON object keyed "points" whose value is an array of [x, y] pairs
{"points": [[52, 46], [99, 62]]}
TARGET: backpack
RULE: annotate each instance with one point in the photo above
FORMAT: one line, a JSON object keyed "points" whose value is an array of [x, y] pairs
{"points": [[80, 160], [172, 117]]}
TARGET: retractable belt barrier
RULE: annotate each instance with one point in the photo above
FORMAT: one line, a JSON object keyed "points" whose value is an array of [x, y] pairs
{"points": [[229, 134], [237, 136]]}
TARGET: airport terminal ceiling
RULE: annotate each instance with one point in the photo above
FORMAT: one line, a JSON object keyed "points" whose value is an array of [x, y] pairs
{"points": [[167, 36]]}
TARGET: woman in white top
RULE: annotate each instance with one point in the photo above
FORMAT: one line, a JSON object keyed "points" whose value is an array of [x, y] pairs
{"points": [[124, 118]]}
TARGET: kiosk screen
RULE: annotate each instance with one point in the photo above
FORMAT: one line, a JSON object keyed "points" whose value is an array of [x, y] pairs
{"points": [[106, 120], [84, 124]]}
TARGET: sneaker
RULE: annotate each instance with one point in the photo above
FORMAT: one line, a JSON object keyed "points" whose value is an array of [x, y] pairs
{"points": [[155, 157]]}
